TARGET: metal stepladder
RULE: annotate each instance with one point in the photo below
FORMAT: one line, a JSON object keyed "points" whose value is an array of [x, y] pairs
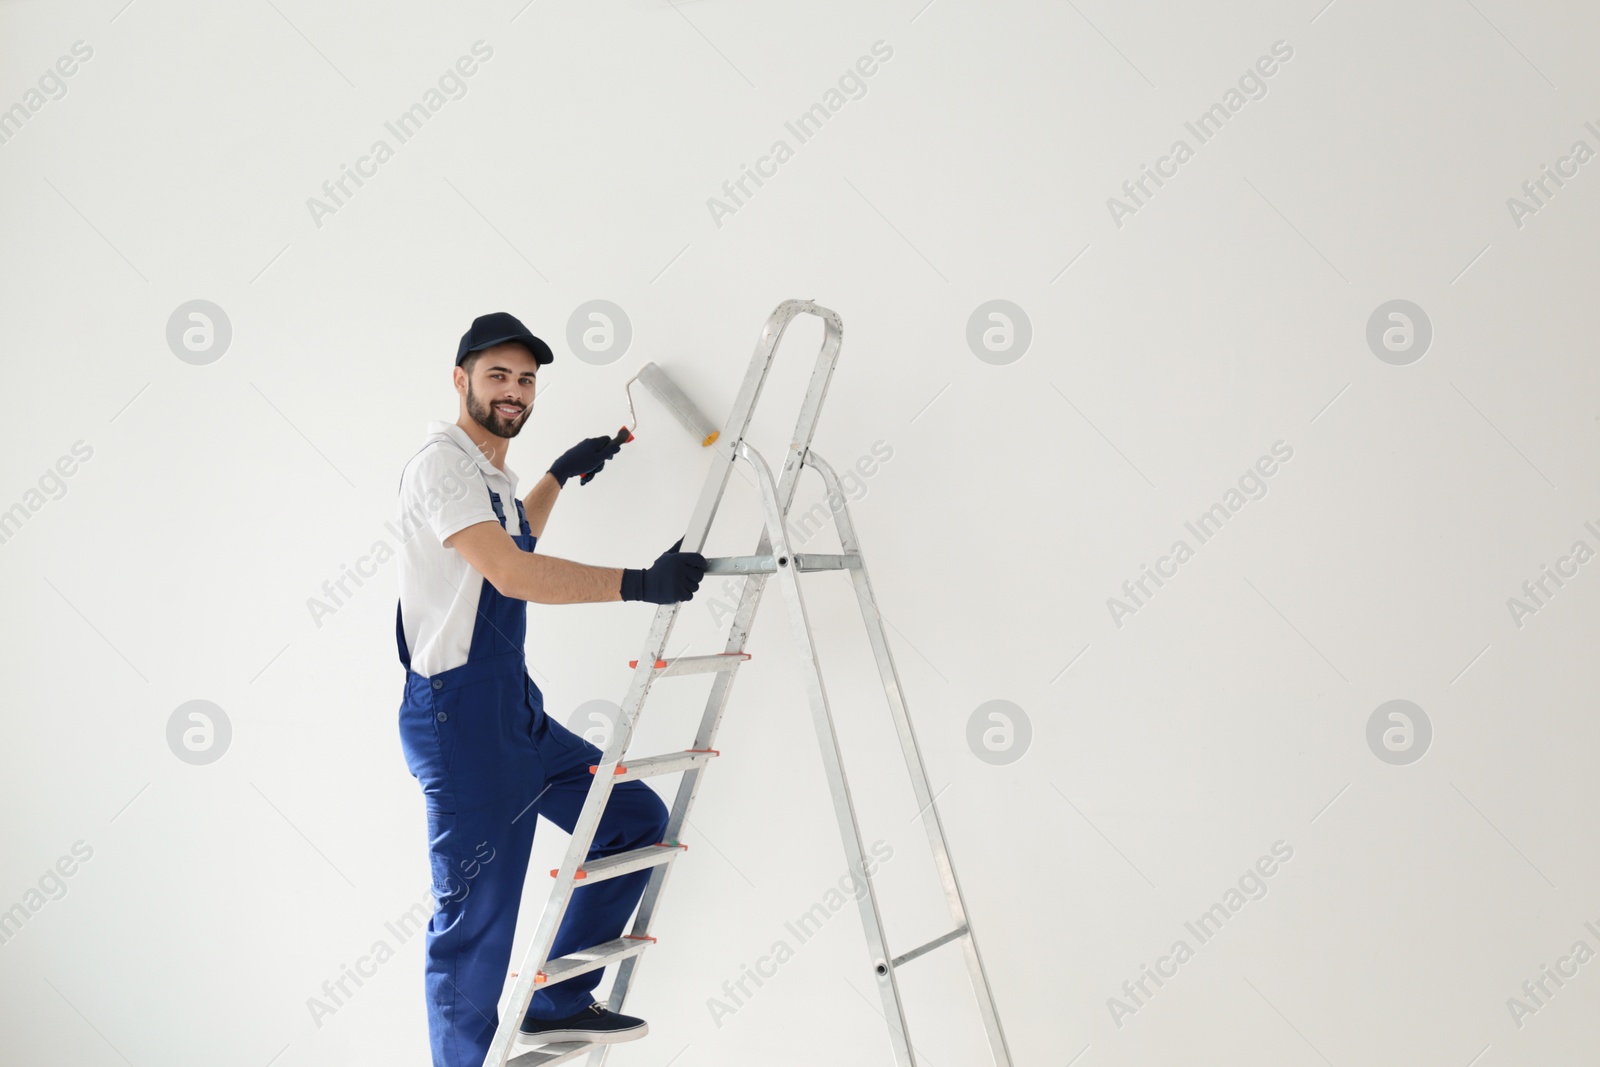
{"points": [[771, 558]]}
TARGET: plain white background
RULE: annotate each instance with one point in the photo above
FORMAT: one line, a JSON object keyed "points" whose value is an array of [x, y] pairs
{"points": [[1168, 353]]}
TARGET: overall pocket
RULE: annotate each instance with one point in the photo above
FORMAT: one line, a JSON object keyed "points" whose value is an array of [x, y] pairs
{"points": [[447, 888], [428, 736]]}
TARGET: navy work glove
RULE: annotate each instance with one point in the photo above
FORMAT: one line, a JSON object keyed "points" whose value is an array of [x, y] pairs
{"points": [[586, 457], [674, 576]]}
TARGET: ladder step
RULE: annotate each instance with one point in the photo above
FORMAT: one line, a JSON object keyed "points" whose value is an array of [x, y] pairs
{"points": [[650, 766], [803, 561], [550, 1055], [942, 939], [624, 863], [722, 661], [602, 955], [812, 561]]}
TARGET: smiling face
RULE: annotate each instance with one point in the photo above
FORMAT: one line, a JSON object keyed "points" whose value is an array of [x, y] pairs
{"points": [[496, 387]]}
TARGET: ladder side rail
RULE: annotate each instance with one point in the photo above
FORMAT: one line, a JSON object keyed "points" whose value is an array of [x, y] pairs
{"points": [[849, 545], [749, 601], [750, 598], [582, 838], [810, 409], [688, 790], [833, 764]]}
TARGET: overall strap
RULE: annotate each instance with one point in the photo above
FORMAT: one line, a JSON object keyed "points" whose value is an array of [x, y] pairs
{"points": [[500, 513]]}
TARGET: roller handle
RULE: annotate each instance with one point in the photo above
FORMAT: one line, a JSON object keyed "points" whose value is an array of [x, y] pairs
{"points": [[624, 435]]}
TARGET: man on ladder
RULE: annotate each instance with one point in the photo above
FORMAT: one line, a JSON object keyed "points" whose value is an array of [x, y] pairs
{"points": [[472, 721]]}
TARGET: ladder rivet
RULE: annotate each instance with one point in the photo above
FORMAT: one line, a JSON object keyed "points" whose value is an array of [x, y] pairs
{"points": [[882, 968], [783, 561]]}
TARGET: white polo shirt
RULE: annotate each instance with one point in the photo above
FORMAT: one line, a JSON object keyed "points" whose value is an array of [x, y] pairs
{"points": [[443, 489]]}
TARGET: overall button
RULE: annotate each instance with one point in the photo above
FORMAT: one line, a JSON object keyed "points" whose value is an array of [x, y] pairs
{"points": [[443, 716], [438, 683]]}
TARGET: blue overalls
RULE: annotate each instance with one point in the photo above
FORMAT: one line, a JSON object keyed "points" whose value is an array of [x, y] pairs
{"points": [[489, 761]]}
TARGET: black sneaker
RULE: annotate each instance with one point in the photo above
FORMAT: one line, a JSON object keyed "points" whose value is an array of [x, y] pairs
{"points": [[594, 1024]]}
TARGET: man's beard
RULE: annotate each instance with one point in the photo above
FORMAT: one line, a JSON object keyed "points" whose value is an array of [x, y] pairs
{"points": [[486, 416]]}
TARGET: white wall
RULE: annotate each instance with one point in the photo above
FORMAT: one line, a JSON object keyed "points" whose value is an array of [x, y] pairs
{"points": [[1171, 347]]}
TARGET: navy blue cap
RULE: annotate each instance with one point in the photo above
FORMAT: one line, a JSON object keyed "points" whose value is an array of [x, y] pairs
{"points": [[496, 328]]}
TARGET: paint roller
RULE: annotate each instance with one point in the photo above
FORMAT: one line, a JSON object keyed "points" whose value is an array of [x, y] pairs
{"points": [[664, 389]]}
